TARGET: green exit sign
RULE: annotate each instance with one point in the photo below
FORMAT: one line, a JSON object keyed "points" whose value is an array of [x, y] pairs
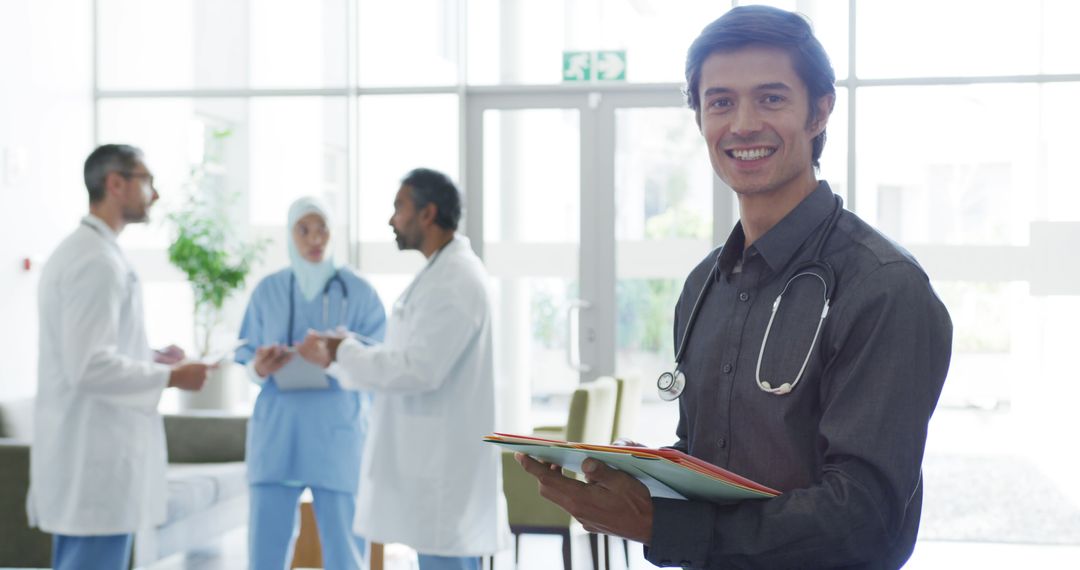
{"points": [[603, 65]]}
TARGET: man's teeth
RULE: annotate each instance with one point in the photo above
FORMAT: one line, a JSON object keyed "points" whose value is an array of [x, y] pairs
{"points": [[751, 154]]}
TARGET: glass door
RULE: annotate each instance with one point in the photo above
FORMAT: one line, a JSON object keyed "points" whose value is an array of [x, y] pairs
{"points": [[589, 208]]}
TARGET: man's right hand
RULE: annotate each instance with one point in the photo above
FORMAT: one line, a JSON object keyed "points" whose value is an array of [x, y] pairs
{"points": [[188, 376], [270, 359]]}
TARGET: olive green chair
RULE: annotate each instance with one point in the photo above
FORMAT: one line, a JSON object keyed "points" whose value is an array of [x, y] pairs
{"points": [[592, 413]]}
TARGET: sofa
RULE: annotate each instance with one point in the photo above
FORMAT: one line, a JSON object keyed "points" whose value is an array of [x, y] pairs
{"points": [[207, 487]]}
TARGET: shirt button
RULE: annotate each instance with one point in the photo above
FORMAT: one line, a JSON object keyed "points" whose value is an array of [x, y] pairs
{"points": [[727, 368], [744, 296], [721, 443]]}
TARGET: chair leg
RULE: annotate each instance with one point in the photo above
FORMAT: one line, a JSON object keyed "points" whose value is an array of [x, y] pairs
{"points": [[607, 552], [626, 552], [593, 540], [567, 563], [517, 549]]}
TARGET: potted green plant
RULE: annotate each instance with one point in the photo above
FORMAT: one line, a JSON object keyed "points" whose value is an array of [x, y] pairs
{"points": [[207, 249]]}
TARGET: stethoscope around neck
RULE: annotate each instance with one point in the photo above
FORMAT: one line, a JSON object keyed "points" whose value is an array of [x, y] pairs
{"points": [[336, 278], [671, 385]]}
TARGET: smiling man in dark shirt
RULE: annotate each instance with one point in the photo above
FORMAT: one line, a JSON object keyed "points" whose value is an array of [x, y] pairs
{"points": [[825, 395]]}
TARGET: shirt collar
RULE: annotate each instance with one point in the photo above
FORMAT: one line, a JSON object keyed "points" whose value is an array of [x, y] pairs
{"points": [[100, 227], [783, 240]]}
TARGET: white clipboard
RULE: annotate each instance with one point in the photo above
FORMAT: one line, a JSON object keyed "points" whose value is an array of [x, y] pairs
{"points": [[299, 374]]}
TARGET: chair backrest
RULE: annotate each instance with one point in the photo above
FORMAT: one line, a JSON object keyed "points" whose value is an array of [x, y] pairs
{"points": [[627, 407], [592, 412]]}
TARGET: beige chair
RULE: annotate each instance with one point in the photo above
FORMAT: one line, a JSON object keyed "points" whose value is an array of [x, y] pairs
{"points": [[592, 413]]}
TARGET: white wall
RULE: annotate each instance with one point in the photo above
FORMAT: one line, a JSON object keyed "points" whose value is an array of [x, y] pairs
{"points": [[46, 131]]}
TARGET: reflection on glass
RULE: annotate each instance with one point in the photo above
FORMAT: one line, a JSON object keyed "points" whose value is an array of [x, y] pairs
{"points": [[533, 334], [663, 189], [203, 44], [938, 165], [387, 151]]}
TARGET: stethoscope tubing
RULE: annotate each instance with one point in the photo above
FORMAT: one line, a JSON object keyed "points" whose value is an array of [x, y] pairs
{"points": [[670, 385], [326, 302]]}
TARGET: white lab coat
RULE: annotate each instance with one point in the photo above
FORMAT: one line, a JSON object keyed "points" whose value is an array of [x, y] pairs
{"points": [[427, 478], [97, 462]]}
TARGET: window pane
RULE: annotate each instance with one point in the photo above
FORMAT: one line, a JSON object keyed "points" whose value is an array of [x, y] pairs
{"points": [[939, 165], [388, 151], [408, 43], [267, 152], [834, 157], [522, 41], [201, 44], [526, 199], [967, 38]]}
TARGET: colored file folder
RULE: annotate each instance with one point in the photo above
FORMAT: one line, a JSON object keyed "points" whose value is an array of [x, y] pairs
{"points": [[668, 473]]}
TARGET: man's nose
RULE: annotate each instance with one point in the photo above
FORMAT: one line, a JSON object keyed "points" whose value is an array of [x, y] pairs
{"points": [[747, 120]]}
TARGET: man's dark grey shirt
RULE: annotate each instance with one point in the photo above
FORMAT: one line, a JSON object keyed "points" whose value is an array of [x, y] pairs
{"points": [[845, 447]]}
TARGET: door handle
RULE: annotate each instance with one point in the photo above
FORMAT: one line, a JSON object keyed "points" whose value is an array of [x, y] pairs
{"points": [[573, 348]]}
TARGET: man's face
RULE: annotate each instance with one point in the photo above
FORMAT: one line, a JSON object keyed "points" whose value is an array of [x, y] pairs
{"points": [[406, 220], [754, 117], [137, 193]]}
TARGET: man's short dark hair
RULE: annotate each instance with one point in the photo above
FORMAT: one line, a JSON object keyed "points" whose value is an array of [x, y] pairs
{"points": [[105, 159], [433, 187], [765, 25]]}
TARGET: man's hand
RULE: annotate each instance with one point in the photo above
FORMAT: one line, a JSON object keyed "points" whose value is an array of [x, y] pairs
{"points": [[318, 349], [170, 355], [611, 502], [270, 359], [189, 376]]}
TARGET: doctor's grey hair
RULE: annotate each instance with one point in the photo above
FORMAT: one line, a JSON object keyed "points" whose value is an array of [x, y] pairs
{"points": [[433, 187], [108, 158]]}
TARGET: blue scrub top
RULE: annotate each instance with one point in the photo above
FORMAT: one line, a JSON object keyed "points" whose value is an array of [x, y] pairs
{"points": [[308, 437]]}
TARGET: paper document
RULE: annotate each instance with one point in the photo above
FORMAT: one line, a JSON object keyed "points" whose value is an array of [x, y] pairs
{"points": [[667, 473], [218, 356], [299, 374]]}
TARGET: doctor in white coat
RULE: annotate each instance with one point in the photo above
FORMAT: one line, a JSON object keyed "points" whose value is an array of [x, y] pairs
{"points": [[97, 462], [427, 478]]}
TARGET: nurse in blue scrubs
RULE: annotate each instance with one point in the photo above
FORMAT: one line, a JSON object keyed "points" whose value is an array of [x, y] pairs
{"points": [[313, 438]]}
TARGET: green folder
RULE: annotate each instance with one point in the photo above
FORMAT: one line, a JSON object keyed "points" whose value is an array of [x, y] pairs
{"points": [[667, 473]]}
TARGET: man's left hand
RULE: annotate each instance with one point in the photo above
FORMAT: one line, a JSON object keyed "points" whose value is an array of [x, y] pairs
{"points": [[611, 502], [169, 355]]}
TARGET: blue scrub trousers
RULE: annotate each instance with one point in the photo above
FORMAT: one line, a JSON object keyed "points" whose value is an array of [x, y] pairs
{"points": [[104, 552], [274, 525], [429, 562]]}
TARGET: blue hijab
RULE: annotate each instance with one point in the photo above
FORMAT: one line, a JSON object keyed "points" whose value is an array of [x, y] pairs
{"points": [[311, 277]]}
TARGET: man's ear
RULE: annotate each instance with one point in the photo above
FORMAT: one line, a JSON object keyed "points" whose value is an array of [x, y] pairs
{"points": [[115, 184], [823, 108], [428, 213]]}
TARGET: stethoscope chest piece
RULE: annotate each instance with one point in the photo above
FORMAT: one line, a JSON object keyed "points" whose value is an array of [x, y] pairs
{"points": [[670, 385]]}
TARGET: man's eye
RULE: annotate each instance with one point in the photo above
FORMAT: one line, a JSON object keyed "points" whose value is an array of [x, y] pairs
{"points": [[774, 99], [721, 102]]}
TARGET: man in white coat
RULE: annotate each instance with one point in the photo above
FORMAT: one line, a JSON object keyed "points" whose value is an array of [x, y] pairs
{"points": [[427, 478], [97, 462]]}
